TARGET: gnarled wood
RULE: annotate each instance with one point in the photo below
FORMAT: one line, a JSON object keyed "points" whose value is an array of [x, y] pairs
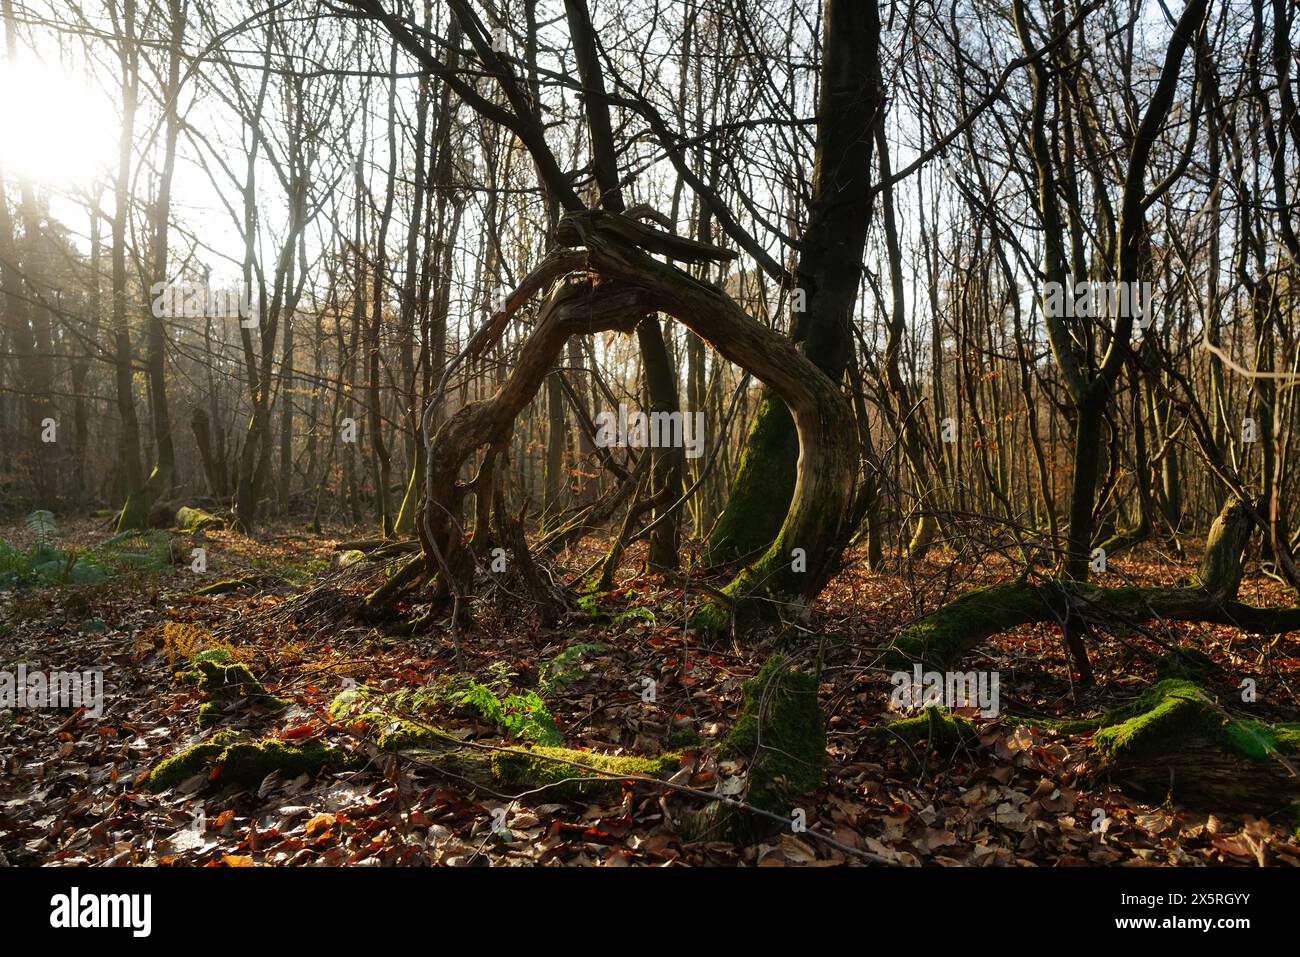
{"points": [[623, 285]]}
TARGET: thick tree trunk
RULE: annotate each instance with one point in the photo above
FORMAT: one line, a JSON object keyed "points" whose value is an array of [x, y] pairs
{"points": [[828, 274]]}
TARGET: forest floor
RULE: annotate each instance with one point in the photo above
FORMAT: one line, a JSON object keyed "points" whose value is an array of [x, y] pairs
{"points": [[72, 788]]}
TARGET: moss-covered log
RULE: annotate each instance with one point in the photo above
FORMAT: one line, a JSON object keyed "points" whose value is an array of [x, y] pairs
{"points": [[196, 520], [944, 637], [229, 758], [941, 639], [565, 772], [1175, 741]]}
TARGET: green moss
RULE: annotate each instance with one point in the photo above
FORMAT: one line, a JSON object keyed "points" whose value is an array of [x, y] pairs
{"points": [[402, 735], [223, 682], [1287, 737], [710, 618], [1059, 725], [220, 656], [1174, 713], [355, 708], [1153, 697], [185, 764], [209, 714], [685, 739], [1254, 739], [782, 732], [233, 759], [515, 768], [523, 769], [195, 520], [530, 769], [1164, 713], [938, 729], [942, 638], [763, 487]]}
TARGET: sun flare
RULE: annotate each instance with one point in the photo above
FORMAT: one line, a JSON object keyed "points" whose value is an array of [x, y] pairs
{"points": [[59, 131]]}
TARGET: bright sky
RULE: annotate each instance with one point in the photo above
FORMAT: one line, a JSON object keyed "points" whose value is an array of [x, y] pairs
{"points": [[67, 130]]}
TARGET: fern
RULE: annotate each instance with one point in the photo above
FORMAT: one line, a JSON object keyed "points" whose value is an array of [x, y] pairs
{"points": [[41, 524], [44, 564], [636, 614], [523, 716], [190, 642], [150, 549], [564, 668]]}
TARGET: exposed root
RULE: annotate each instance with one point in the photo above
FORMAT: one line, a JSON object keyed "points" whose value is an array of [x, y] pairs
{"points": [[227, 585], [379, 604]]}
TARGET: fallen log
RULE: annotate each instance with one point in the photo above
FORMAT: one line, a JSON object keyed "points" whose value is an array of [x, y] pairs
{"points": [[942, 638], [197, 520]]}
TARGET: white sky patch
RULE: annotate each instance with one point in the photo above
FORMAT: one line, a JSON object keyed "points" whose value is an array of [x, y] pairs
{"points": [[61, 131]]}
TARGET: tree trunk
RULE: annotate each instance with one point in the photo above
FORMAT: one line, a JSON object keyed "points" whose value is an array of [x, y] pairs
{"points": [[828, 274]]}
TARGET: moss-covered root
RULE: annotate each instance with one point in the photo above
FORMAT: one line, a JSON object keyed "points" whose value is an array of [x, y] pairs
{"points": [[229, 758], [536, 767], [382, 602], [1066, 726], [940, 639], [781, 732], [933, 730], [521, 769], [1172, 715]]}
